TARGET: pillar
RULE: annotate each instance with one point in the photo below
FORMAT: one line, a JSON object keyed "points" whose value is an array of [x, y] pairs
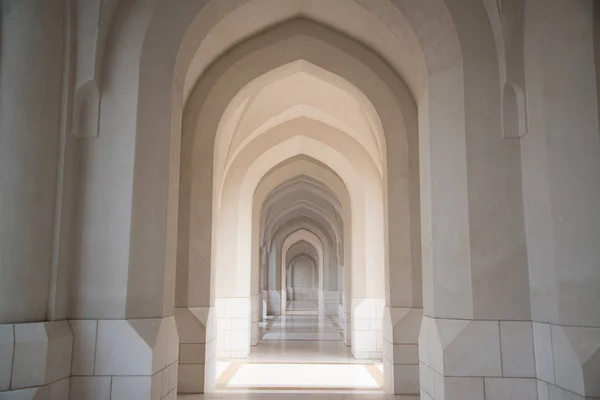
{"points": [[403, 291], [35, 353], [258, 279], [123, 257], [367, 275], [233, 286], [475, 337], [273, 283], [332, 291], [346, 305], [195, 311], [263, 283], [32, 68], [561, 181]]}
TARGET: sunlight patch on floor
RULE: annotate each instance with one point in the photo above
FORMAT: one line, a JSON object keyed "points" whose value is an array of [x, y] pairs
{"points": [[299, 377], [303, 375]]}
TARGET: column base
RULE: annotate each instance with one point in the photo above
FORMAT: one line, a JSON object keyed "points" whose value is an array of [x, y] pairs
{"points": [[321, 301], [273, 302], [490, 360], [197, 348], [58, 390], [367, 326], [567, 360], [345, 320], [125, 359], [233, 326], [548, 391], [255, 318], [400, 350], [477, 388], [330, 302], [480, 360], [35, 360]]}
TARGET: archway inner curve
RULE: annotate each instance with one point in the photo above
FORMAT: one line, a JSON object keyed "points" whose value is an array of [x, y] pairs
{"points": [[256, 138]]}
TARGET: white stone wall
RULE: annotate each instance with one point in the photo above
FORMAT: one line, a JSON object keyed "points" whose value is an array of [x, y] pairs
{"points": [[367, 327], [125, 359], [233, 326], [197, 329], [35, 359]]}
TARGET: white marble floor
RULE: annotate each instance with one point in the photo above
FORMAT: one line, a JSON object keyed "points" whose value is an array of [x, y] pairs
{"points": [[303, 354], [293, 396], [282, 375]]}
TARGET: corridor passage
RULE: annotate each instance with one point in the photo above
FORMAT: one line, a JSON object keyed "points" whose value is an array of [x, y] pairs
{"points": [[300, 353], [302, 307], [300, 327]]}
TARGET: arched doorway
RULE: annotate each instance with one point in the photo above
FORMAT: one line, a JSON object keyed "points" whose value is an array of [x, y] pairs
{"points": [[415, 195]]}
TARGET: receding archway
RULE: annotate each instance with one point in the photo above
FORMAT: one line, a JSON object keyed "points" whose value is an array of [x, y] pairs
{"points": [[449, 259], [377, 304], [291, 240]]}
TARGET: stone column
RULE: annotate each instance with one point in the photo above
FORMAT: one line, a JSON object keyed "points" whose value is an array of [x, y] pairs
{"points": [[233, 294], [367, 326], [367, 275], [123, 254], [256, 316], [367, 303], [346, 309], [401, 324], [366, 314], [258, 283], [195, 310], [34, 353], [561, 181], [332, 292], [475, 340], [404, 288], [30, 107], [273, 283]]}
